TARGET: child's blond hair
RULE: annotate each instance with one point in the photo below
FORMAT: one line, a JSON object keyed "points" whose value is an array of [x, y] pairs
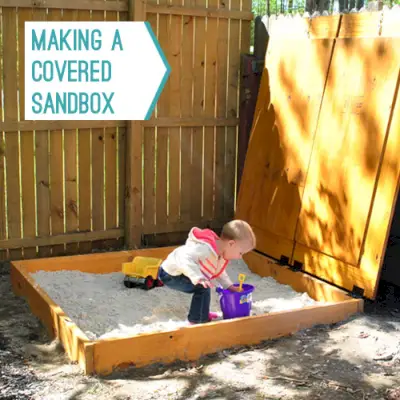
{"points": [[238, 230]]}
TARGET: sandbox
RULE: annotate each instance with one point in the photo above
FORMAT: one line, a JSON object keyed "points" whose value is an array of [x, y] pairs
{"points": [[161, 335], [102, 307]]}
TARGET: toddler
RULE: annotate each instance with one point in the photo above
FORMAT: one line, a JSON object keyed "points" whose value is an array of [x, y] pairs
{"points": [[191, 268]]}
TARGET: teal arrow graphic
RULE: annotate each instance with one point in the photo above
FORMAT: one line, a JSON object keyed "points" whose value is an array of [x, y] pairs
{"points": [[166, 74]]}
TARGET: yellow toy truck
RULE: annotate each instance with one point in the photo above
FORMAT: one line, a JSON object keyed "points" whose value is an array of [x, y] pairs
{"points": [[142, 272]]}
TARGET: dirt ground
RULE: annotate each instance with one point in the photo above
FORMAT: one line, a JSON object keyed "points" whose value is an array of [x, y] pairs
{"points": [[356, 359]]}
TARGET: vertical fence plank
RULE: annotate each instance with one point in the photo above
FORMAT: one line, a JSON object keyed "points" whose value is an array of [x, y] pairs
{"points": [[12, 151], [98, 182], [149, 189], [122, 148], [196, 189], [28, 190], [98, 141], [245, 28], [110, 135], [43, 188], [232, 111], [27, 143], [56, 188], [121, 181], [162, 133], [222, 64], [175, 50], [149, 181], [111, 182], [3, 253], [57, 193], [209, 110], [71, 187], [42, 160], [83, 220], [84, 140], [70, 177], [3, 230], [134, 160], [187, 179], [111, 178]]}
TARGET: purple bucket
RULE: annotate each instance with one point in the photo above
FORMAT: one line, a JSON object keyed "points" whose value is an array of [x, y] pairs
{"points": [[236, 304]]}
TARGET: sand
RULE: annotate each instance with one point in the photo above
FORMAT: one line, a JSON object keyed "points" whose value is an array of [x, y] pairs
{"points": [[103, 308]]}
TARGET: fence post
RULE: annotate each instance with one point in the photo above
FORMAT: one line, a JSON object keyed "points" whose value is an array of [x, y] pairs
{"points": [[133, 188], [250, 77]]}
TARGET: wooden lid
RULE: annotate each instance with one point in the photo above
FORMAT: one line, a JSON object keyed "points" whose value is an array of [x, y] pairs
{"points": [[322, 169]]}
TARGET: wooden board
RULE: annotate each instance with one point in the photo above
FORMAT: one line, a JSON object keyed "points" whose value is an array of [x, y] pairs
{"points": [[188, 343], [27, 144], [324, 200], [360, 25], [12, 148], [340, 234], [391, 23], [281, 141]]}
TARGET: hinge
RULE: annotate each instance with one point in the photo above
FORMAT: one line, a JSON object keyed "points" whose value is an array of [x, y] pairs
{"points": [[257, 66], [284, 260], [357, 292], [297, 266]]}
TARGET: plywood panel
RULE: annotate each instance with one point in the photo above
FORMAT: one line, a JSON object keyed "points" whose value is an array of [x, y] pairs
{"points": [[287, 26], [360, 25], [281, 141], [339, 235], [324, 27], [391, 23]]}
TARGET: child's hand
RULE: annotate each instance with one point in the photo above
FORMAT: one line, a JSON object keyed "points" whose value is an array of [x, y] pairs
{"points": [[234, 288], [205, 283]]}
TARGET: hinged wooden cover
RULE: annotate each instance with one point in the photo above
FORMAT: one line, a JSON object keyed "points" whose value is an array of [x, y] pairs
{"points": [[323, 163]]}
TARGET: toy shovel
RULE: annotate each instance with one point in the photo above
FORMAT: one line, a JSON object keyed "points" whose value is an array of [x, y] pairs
{"points": [[241, 279]]}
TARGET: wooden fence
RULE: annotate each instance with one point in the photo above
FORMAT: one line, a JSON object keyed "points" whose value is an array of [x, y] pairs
{"points": [[70, 186]]}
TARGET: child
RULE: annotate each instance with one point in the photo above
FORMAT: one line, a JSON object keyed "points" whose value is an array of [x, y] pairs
{"points": [[203, 258]]}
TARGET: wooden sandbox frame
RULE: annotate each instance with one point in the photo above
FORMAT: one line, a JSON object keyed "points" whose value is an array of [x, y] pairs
{"points": [[102, 357]]}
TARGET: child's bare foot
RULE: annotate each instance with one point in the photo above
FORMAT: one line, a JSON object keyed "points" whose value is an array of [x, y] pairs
{"points": [[212, 315]]}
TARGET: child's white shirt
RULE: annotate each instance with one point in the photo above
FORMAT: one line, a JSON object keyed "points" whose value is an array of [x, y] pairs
{"points": [[197, 259]]}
